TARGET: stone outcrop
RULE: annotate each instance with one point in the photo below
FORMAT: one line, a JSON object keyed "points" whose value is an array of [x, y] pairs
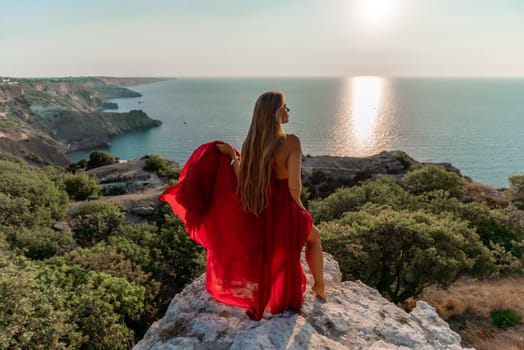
{"points": [[135, 189], [355, 316], [129, 175], [322, 175], [88, 130]]}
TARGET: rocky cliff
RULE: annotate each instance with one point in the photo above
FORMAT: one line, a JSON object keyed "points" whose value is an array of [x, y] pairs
{"points": [[66, 113], [355, 316], [84, 131], [323, 174]]}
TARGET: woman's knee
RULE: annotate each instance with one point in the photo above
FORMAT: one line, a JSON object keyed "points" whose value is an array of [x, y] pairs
{"points": [[314, 235]]}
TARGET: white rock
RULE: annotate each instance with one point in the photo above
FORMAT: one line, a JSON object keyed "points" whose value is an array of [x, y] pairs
{"points": [[354, 317]]}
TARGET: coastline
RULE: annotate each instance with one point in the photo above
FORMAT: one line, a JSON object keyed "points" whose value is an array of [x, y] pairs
{"points": [[41, 120]]}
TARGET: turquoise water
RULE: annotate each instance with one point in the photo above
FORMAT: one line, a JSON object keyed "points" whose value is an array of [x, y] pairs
{"points": [[475, 124]]}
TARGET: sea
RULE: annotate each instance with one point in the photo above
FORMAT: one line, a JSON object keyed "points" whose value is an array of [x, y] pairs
{"points": [[476, 124]]}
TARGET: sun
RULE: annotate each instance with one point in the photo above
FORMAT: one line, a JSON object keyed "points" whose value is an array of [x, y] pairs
{"points": [[375, 13]]}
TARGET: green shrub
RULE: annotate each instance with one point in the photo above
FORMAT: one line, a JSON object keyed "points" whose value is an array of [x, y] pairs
{"points": [[505, 318], [384, 190], [400, 252], [12, 158], [25, 187], [104, 257], [100, 158], [501, 228], [40, 242], [81, 186], [332, 207], [493, 227], [16, 211], [107, 258], [140, 244], [95, 221], [161, 166], [164, 250], [100, 304], [429, 178], [516, 190], [54, 174], [305, 194], [32, 315]]}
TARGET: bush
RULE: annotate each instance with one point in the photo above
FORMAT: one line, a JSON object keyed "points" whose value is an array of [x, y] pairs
{"points": [[164, 250], [400, 252], [505, 318], [95, 221], [502, 230], [81, 186], [384, 190], [12, 158], [100, 304], [32, 315], [332, 207], [493, 227], [100, 158], [516, 190], [16, 211], [25, 187], [104, 257], [40, 242], [161, 166], [429, 178], [305, 194]]}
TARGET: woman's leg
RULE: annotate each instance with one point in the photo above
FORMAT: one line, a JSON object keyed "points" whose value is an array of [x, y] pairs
{"points": [[316, 261]]}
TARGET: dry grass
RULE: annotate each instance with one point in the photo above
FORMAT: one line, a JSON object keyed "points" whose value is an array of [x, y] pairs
{"points": [[467, 305], [489, 195]]}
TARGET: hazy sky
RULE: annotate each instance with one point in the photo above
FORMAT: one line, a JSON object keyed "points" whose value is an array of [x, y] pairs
{"points": [[261, 38]]}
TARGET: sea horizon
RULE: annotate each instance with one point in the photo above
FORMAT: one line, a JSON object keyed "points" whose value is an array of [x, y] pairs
{"points": [[470, 122]]}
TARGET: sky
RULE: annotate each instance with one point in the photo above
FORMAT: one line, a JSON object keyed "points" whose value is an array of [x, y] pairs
{"points": [[208, 38]]}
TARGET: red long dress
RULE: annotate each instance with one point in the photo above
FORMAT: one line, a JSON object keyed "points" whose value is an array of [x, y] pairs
{"points": [[252, 262]]}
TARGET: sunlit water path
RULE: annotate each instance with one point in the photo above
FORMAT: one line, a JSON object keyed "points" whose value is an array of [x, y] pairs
{"points": [[476, 124]]}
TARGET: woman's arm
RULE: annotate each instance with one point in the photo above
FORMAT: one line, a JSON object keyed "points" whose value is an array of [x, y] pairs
{"points": [[226, 148], [294, 163]]}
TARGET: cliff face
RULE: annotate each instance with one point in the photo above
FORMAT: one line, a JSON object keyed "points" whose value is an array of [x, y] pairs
{"points": [[37, 148], [65, 114], [83, 131], [9, 92], [355, 316]]}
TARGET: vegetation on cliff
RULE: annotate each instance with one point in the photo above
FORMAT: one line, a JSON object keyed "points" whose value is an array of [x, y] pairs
{"points": [[80, 276]]}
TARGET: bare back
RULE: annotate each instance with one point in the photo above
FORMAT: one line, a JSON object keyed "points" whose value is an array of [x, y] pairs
{"points": [[280, 170], [287, 164]]}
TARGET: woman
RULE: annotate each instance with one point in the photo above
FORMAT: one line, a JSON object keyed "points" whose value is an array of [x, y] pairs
{"points": [[251, 220]]}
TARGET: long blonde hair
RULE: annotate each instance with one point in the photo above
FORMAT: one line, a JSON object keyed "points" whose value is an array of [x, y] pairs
{"points": [[258, 152]]}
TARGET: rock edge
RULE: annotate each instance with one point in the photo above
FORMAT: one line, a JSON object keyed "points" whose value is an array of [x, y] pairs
{"points": [[355, 316]]}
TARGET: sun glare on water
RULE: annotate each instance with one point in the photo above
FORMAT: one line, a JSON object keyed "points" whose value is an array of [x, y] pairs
{"points": [[366, 98]]}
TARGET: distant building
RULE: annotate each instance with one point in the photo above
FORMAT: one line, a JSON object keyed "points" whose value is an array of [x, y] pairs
{"points": [[8, 81]]}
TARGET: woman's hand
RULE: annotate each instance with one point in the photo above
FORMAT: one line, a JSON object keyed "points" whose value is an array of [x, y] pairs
{"points": [[226, 148]]}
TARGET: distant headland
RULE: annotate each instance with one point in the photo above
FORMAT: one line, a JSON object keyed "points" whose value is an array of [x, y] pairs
{"points": [[42, 119]]}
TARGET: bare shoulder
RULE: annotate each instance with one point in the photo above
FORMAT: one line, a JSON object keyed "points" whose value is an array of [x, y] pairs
{"points": [[292, 142]]}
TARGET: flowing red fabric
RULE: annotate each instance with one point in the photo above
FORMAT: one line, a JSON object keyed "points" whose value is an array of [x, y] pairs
{"points": [[252, 262]]}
